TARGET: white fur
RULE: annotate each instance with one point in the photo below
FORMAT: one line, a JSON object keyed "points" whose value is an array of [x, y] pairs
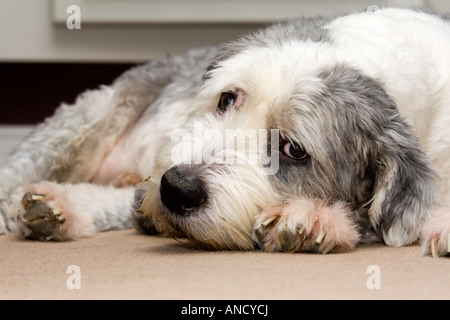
{"points": [[408, 52], [413, 69]]}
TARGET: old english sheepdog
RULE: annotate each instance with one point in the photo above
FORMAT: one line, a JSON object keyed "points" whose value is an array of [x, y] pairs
{"points": [[311, 135]]}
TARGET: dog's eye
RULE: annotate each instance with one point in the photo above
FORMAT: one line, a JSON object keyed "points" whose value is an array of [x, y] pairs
{"points": [[294, 151], [226, 101]]}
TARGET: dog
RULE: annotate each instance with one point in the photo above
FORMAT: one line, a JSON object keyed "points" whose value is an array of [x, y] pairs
{"points": [[312, 135]]}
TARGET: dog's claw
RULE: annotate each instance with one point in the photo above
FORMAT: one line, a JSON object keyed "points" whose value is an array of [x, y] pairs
{"points": [[437, 250], [320, 237], [37, 197], [301, 230], [448, 244], [261, 231], [58, 214], [268, 221], [433, 248]]}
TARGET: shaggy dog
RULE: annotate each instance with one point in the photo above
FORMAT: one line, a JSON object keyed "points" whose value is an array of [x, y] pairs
{"points": [[311, 135]]}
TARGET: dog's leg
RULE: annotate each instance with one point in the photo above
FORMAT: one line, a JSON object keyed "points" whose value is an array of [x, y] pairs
{"points": [[306, 225], [50, 210], [70, 145]]}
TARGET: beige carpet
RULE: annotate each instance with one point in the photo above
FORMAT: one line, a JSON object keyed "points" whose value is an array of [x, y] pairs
{"points": [[127, 265]]}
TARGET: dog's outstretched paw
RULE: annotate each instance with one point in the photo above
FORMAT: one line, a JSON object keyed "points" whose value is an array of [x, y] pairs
{"points": [[49, 211], [436, 234], [39, 221], [305, 225]]}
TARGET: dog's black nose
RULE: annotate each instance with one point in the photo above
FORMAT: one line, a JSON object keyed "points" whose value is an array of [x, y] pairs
{"points": [[181, 191]]}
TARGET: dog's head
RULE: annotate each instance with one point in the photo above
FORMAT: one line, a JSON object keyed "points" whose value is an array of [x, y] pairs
{"points": [[275, 120]]}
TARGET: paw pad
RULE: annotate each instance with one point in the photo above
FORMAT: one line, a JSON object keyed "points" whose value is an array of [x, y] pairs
{"points": [[39, 218]]}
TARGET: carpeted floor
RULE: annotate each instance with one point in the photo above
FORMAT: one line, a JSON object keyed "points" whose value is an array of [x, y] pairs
{"points": [[127, 265]]}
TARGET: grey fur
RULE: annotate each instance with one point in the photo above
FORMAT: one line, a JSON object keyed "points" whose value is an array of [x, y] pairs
{"points": [[354, 134], [305, 29]]}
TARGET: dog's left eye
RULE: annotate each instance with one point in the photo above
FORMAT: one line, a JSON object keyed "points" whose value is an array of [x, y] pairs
{"points": [[226, 101], [294, 151]]}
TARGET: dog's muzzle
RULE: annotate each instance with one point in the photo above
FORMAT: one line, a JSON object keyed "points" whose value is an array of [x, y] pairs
{"points": [[181, 191]]}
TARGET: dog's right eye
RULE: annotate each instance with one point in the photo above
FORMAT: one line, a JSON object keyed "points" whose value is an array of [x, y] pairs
{"points": [[294, 151], [226, 101]]}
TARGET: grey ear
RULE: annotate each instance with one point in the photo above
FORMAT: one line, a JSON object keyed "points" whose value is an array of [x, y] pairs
{"points": [[402, 182], [403, 193]]}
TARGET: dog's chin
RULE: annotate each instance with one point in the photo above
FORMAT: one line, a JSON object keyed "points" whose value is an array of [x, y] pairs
{"points": [[203, 227], [205, 233]]}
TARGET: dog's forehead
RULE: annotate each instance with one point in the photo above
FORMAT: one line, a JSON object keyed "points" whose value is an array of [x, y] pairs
{"points": [[280, 83], [304, 90], [269, 72]]}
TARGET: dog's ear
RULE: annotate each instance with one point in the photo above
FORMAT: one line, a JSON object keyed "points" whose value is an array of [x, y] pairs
{"points": [[402, 182], [403, 193]]}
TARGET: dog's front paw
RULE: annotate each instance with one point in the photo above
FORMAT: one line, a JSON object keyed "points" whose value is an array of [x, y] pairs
{"points": [[38, 221], [436, 233], [305, 225], [48, 212]]}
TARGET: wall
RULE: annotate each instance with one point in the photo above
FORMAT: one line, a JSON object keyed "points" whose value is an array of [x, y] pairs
{"points": [[28, 31]]}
